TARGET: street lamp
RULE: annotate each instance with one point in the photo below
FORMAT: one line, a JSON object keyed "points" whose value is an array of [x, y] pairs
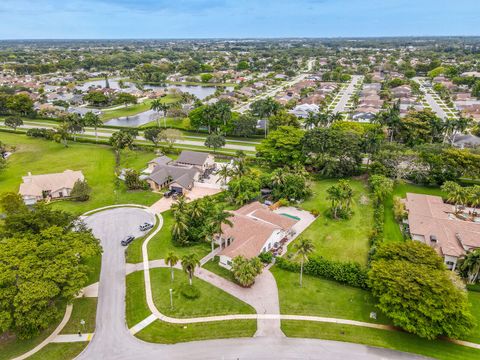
{"points": [[171, 299]]}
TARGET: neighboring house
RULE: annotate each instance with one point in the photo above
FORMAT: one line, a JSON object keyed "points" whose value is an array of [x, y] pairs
{"points": [[364, 116], [255, 229], [434, 223], [48, 186], [303, 111], [200, 160], [180, 175], [466, 140]]}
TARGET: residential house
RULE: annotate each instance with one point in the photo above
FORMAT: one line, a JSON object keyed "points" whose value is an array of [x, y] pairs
{"points": [[48, 186], [435, 223], [180, 175], [304, 110], [255, 229]]}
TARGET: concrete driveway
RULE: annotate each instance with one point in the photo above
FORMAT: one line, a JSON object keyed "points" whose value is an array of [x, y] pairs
{"points": [[197, 192]]}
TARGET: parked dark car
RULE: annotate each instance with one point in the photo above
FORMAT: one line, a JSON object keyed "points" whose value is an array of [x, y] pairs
{"points": [[127, 240], [168, 193], [146, 226]]}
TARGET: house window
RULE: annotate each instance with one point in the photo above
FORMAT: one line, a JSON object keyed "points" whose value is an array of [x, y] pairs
{"points": [[269, 246], [229, 262], [450, 264]]}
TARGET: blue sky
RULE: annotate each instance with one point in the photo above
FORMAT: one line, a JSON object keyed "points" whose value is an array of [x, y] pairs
{"points": [[42, 19]]}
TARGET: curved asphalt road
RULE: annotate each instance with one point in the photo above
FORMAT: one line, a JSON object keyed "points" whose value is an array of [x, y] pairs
{"points": [[112, 339]]}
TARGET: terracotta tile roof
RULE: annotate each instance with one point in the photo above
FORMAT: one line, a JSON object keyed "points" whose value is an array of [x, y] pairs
{"points": [[253, 224], [429, 216]]}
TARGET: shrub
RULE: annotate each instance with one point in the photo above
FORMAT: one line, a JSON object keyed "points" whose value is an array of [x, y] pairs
{"points": [[266, 257], [189, 291], [81, 191], [348, 273]]}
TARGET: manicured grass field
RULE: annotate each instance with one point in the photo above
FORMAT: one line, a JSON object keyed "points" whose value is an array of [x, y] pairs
{"points": [[438, 349], [96, 161], [391, 229], [136, 303], [213, 266], [343, 240], [12, 347], [135, 109], [474, 298], [212, 300], [94, 265], [59, 351], [83, 309], [324, 298], [162, 243], [165, 333]]}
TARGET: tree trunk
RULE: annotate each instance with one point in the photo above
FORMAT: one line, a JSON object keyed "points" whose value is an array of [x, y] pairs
{"points": [[171, 271], [96, 134], [190, 278], [301, 273]]}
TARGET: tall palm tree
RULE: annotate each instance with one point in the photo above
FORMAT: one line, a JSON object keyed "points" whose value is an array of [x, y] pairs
{"points": [[303, 249], [171, 260], [157, 105], [221, 217], [474, 197], [93, 120], [189, 263], [224, 173], [471, 265]]}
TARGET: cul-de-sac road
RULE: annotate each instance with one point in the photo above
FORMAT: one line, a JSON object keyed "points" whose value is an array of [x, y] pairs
{"points": [[113, 341]]}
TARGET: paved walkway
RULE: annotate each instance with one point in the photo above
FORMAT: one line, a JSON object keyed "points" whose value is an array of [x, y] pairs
{"points": [[69, 338]]}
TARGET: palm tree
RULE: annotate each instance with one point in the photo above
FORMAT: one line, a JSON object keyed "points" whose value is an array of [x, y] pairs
{"points": [[157, 105], [474, 195], [224, 173], [471, 265], [171, 260], [239, 167], [303, 249], [93, 120], [221, 217], [189, 263]]}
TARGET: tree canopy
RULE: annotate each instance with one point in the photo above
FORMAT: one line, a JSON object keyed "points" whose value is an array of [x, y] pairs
{"points": [[415, 290]]}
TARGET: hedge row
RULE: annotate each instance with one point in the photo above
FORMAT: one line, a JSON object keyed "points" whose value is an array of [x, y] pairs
{"points": [[376, 237], [348, 273]]}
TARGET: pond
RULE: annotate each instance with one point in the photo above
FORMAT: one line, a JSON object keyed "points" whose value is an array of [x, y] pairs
{"points": [[135, 120], [200, 92]]}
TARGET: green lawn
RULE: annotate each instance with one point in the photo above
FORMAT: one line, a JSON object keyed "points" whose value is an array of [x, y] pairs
{"points": [[10, 347], [162, 243], [165, 333], [96, 161], [135, 109], [136, 303], [94, 265], [391, 229], [83, 309], [215, 268], [322, 297], [212, 301], [59, 351], [343, 240], [381, 338], [474, 298]]}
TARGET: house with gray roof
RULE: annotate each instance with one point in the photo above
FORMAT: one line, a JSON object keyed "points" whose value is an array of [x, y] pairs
{"points": [[178, 175]]}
